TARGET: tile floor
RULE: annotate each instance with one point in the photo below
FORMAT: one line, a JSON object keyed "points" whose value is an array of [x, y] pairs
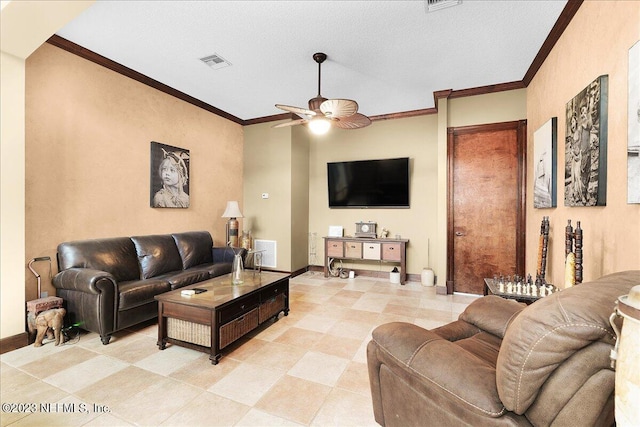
{"points": [[308, 368]]}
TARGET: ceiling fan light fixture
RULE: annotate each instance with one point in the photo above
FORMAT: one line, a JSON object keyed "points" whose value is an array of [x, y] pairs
{"points": [[319, 125], [324, 113]]}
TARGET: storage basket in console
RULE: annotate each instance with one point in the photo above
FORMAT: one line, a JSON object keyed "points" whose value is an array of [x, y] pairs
{"points": [[271, 307], [194, 333]]}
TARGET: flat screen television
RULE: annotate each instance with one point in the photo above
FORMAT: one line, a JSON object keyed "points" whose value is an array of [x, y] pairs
{"points": [[369, 183]]}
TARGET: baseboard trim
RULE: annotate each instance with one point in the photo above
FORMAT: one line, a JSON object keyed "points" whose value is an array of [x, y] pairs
{"points": [[369, 273], [14, 342]]}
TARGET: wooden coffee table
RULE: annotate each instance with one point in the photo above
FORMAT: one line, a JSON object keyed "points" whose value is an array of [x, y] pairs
{"points": [[211, 320]]}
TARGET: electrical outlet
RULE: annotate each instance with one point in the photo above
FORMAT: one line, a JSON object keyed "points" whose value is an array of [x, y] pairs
{"points": [[44, 294], [265, 195]]}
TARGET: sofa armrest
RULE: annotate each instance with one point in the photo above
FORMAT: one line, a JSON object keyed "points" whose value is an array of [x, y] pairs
{"points": [[90, 297], [85, 280], [225, 254], [452, 376]]}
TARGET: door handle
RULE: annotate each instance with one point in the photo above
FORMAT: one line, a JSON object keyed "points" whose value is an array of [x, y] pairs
{"points": [[459, 233]]}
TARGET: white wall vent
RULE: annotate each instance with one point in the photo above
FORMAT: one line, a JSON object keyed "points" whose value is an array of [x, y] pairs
{"points": [[215, 61], [268, 249], [433, 5]]}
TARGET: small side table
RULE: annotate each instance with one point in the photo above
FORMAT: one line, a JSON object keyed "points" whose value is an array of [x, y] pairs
{"points": [[37, 306]]}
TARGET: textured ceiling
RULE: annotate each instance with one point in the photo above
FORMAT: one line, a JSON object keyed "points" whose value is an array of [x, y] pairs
{"points": [[389, 56]]}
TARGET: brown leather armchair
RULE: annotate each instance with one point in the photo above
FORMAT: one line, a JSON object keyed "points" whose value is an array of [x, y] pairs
{"points": [[502, 363]]}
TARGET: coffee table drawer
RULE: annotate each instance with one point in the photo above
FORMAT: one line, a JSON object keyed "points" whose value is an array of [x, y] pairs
{"points": [[238, 327], [194, 314], [238, 308], [272, 291]]}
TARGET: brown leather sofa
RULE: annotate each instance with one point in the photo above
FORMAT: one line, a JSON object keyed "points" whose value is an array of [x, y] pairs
{"points": [[109, 284], [501, 363]]}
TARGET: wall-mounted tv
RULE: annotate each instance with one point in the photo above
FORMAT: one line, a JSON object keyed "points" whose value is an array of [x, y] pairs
{"points": [[369, 183]]}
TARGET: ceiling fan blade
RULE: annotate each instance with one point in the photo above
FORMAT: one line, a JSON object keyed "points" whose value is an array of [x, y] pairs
{"points": [[291, 123], [355, 121], [302, 112], [338, 108]]}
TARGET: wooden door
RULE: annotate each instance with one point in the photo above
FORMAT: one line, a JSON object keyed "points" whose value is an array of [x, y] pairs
{"points": [[486, 212]]}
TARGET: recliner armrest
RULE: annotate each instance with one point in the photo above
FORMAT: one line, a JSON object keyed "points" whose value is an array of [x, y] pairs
{"points": [[437, 366]]}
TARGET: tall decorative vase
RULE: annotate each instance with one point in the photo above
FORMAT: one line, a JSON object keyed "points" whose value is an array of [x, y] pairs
{"points": [[427, 277], [237, 270]]}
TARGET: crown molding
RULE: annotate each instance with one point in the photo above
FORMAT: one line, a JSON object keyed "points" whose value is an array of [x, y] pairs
{"points": [[89, 55], [561, 24]]}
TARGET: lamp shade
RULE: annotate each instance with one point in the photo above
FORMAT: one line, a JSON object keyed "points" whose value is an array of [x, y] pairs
{"points": [[232, 210]]}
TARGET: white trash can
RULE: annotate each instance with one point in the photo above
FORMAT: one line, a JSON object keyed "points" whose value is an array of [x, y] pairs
{"points": [[394, 277]]}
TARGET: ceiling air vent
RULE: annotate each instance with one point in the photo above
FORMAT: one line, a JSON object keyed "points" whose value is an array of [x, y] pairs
{"points": [[433, 5], [215, 61]]}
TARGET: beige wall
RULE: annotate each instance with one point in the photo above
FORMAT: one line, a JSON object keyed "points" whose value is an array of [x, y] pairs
{"points": [[12, 196], [300, 198], [276, 162], [88, 134], [273, 154], [490, 108], [415, 138], [596, 42], [267, 169], [25, 25]]}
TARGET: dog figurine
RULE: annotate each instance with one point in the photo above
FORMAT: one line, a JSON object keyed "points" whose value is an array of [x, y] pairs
{"points": [[45, 323]]}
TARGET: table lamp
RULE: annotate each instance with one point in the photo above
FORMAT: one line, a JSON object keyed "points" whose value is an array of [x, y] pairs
{"points": [[232, 212]]}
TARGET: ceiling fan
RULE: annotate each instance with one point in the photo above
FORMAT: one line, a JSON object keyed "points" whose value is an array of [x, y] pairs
{"points": [[324, 113]]}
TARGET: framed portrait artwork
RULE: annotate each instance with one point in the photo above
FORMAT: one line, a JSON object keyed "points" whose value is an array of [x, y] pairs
{"points": [[633, 138], [585, 168], [545, 165], [169, 176]]}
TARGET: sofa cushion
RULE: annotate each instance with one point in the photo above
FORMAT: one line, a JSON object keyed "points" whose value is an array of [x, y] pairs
{"points": [[139, 292], [194, 248], [157, 255], [116, 256], [221, 269], [179, 279], [552, 330]]}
